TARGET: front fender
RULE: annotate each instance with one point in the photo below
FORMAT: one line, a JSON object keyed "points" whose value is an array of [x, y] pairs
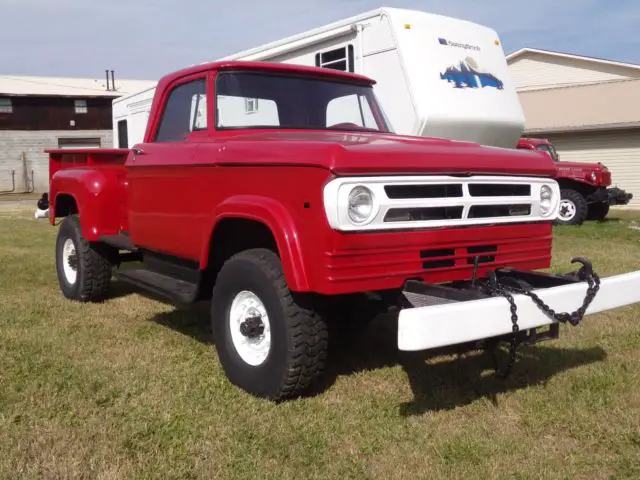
{"points": [[96, 196], [278, 218]]}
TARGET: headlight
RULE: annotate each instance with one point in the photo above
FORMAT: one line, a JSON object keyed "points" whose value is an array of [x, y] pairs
{"points": [[546, 200], [360, 205], [594, 177]]}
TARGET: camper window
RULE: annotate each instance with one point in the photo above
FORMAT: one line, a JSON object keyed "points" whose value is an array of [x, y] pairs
{"points": [[123, 134], [338, 59], [251, 105]]}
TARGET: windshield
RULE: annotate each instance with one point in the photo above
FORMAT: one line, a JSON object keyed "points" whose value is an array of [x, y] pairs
{"points": [[262, 100], [550, 150]]}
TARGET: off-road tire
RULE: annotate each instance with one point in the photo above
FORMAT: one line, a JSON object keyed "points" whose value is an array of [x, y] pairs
{"points": [[93, 265], [581, 207], [598, 211], [299, 337]]}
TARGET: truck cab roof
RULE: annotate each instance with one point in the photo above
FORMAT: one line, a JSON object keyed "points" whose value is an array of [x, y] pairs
{"points": [[264, 67]]}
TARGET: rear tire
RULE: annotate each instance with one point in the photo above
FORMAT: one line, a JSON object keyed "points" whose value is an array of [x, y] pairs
{"points": [[84, 269], [268, 344], [573, 208], [598, 211]]}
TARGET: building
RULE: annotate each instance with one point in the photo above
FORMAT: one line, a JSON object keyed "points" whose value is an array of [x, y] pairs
{"points": [[38, 113], [588, 107]]}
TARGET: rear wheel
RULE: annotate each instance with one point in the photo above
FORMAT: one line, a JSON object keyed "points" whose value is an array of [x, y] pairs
{"points": [[268, 343], [84, 269], [573, 208], [598, 211]]}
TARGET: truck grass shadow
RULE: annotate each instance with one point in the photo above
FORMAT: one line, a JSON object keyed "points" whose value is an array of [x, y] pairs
{"points": [[464, 380], [454, 381]]}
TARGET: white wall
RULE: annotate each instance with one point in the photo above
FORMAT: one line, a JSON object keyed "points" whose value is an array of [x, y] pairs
{"points": [[544, 71], [618, 151], [31, 144]]}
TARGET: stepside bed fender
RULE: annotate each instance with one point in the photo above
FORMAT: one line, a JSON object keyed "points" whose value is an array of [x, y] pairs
{"points": [[95, 195]]}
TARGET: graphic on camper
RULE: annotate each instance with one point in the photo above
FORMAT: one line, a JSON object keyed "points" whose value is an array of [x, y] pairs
{"points": [[468, 75]]}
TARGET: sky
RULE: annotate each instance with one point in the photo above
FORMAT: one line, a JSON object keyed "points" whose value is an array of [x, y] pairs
{"points": [[144, 39]]}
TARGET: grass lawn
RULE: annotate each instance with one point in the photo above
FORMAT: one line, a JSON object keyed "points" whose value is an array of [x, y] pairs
{"points": [[133, 388]]}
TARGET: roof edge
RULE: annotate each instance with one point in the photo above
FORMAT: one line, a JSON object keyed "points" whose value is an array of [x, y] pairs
{"points": [[585, 58], [582, 128]]}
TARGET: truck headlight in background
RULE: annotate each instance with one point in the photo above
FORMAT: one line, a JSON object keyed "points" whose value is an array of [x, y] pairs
{"points": [[546, 200], [594, 177], [360, 205]]}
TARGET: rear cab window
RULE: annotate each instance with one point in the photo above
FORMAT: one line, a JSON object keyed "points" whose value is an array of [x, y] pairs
{"points": [[247, 99]]}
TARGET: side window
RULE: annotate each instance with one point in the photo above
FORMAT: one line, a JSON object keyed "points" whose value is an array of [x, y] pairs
{"points": [[185, 111], [350, 109], [338, 59], [123, 134]]}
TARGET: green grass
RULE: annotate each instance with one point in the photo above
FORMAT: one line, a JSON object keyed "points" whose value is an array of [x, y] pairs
{"points": [[132, 388]]}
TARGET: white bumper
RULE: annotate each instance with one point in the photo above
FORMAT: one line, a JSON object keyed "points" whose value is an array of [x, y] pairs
{"points": [[454, 323]]}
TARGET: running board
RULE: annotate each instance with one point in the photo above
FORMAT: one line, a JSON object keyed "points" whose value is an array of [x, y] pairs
{"points": [[121, 242], [169, 287]]}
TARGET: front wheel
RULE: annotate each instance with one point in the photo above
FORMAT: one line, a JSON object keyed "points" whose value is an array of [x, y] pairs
{"points": [[84, 269], [573, 208], [268, 344]]}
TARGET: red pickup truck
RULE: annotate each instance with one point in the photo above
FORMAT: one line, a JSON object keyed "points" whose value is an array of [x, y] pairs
{"points": [[305, 212], [585, 188]]}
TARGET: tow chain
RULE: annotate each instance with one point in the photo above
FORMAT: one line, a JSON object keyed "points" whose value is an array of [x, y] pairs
{"points": [[496, 288]]}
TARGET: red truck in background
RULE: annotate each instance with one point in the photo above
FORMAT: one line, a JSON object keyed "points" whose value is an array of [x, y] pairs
{"points": [[306, 212], [585, 187]]}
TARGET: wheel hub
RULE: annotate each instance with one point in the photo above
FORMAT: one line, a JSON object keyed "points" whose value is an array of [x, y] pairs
{"points": [[70, 261], [252, 327], [567, 210]]}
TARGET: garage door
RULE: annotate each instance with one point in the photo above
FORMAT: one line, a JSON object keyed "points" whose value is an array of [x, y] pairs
{"points": [[620, 152], [79, 142]]}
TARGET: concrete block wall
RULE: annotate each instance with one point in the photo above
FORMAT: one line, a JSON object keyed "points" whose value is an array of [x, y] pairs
{"points": [[23, 151]]}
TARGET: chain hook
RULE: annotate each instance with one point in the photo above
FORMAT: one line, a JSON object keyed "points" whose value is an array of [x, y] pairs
{"points": [[497, 288], [586, 270]]}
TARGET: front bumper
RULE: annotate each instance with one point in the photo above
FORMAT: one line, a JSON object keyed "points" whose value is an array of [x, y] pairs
{"points": [[617, 196], [611, 196], [450, 317]]}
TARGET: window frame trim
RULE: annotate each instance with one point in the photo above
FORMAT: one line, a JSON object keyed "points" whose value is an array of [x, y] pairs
{"points": [[162, 104]]}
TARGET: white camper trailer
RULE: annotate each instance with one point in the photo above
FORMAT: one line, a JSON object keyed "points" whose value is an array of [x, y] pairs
{"points": [[130, 115], [436, 76]]}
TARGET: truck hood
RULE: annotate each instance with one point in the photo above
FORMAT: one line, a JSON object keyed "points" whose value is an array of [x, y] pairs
{"points": [[580, 166], [594, 174], [347, 153]]}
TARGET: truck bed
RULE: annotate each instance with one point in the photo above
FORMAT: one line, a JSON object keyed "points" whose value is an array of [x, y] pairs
{"points": [[64, 158], [91, 176]]}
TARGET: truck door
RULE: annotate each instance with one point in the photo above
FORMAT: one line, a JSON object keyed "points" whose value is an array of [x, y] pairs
{"points": [[166, 177]]}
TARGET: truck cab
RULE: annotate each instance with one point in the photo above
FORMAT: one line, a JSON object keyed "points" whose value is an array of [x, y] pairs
{"points": [[585, 187], [279, 194]]}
